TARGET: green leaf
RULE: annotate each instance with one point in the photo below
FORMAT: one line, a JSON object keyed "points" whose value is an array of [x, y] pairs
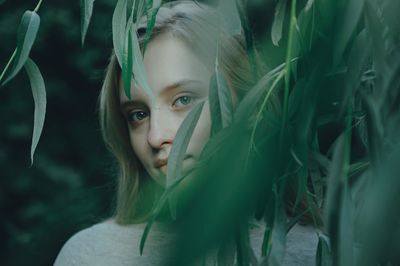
{"points": [[309, 4], [324, 254], [249, 103], [349, 21], [245, 254], [119, 28], [138, 66], [277, 25], [152, 10], [86, 15], [141, 8], [149, 4], [39, 97], [225, 99], [334, 182], [27, 32], [316, 178], [213, 100], [346, 230], [266, 244], [250, 47], [220, 98], [157, 210], [278, 235], [358, 58], [127, 63], [374, 26], [338, 209], [178, 150], [230, 17], [269, 217]]}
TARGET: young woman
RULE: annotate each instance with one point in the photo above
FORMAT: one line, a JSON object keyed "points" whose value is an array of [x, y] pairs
{"points": [[179, 61]]}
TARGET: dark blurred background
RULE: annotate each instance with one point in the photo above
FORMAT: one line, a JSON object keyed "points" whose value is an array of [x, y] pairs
{"points": [[70, 185]]}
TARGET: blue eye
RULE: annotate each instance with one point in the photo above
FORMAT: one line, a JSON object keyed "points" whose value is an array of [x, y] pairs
{"points": [[137, 116], [183, 100]]}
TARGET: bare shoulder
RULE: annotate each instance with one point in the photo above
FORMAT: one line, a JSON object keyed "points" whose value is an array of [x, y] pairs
{"points": [[106, 243]]}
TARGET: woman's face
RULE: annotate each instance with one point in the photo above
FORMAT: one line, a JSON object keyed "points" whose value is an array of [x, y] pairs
{"points": [[179, 81]]}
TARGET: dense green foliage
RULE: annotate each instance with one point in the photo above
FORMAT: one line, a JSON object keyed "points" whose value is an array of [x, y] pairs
{"points": [[71, 182], [333, 142]]}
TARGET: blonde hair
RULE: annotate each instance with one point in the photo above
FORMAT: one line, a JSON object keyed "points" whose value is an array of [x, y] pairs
{"points": [[196, 25]]}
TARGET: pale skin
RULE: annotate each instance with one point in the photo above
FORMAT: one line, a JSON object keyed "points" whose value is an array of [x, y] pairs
{"points": [[179, 81]]}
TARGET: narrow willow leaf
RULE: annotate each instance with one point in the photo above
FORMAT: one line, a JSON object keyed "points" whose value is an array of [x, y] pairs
{"points": [[152, 7], [337, 214], [86, 15], [157, 210], [324, 254], [277, 25], [216, 124], [374, 26], [139, 71], [346, 225], [309, 4], [316, 179], [248, 103], [250, 48], [149, 4], [127, 64], [349, 22], [266, 244], [225, 99], [245, 254], [145, 234], [141, 8], [269, 217], [119, 29], [220, 98], [358, 58], [178, 150], [39, 97], [278, 237], [230, 17], [334, 184], [27, 32]]}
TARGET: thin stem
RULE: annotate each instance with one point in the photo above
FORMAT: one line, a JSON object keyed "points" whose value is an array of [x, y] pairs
{"points": [[8, 64], [287, 74], [38, 6]]}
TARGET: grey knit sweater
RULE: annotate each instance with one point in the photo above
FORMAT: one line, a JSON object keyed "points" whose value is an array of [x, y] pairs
{"points": [[108, 243]]}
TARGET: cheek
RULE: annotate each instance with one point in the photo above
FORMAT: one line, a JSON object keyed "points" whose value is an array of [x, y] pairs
{"points": [[138, 141], [201, 133]]}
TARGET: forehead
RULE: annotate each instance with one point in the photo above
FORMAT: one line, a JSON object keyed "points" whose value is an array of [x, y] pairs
{"points": [[168, 60]]}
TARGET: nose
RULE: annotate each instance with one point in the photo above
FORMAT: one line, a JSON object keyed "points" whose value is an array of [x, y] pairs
{"points": [[162, 129]]}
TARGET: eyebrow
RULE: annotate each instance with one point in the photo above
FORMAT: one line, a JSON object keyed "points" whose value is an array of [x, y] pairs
{"points": [[188, 83]]}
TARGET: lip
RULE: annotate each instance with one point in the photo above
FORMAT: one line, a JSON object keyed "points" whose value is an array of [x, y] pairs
{"points": [[159, 163]]}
